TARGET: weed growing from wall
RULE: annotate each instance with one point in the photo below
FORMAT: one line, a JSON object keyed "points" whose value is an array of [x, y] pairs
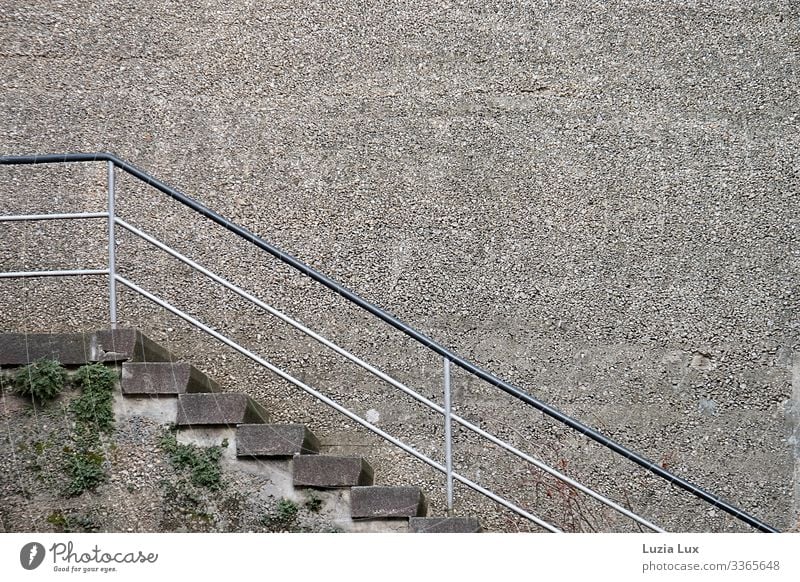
{"points": [[282, 517], [40, 381], [313, 503], [94, 416], [93, 409], [186, 503], [201, 463]]}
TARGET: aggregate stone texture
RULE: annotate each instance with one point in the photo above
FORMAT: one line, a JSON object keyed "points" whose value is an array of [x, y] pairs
{"points": [[163, 378], [382, 501], [330, 471], [596, 201], [218, 409], [275, 440]]}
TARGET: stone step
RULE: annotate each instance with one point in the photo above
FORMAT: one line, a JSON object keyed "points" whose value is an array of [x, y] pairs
{"points": [[331, 472], [382, 502], [163, 379], [213, 409], [275, 440], [76, 349], [444, 525]]}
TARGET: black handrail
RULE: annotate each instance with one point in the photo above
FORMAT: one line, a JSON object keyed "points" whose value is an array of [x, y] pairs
{"points": [[397, 324]]}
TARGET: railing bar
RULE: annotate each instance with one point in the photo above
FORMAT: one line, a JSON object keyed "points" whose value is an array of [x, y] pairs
{"points": [[70, 216], [332, 403], [55, 158], [112, 250], [448, 437], [64, 273], [382, 375]]}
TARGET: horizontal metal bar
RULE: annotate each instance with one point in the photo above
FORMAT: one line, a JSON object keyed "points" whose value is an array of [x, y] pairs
{"points": [[325, 399], [66, 273], [73, 216], [54, 158], [382, 375], [402, 327]]}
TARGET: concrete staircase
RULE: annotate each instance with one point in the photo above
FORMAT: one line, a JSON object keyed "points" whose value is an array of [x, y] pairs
{"points": [[155, 385]]}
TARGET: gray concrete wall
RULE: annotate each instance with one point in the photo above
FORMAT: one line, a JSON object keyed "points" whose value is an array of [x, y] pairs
{"points": [[597, 202]]}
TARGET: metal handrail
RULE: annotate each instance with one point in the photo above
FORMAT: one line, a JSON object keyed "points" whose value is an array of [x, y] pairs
{"points": [[389, 319]]}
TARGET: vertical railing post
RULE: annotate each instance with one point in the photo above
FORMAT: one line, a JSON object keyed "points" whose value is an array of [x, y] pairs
{"points": [[448, 438], [112, 250]]}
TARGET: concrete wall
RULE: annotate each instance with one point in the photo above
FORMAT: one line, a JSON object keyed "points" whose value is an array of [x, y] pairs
{"points": [[597, 202]]}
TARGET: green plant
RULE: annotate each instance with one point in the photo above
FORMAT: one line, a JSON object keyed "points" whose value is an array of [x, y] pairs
{"points": [[85, 469], [42, 380], [93, 409], [282, 517], [286, 510], [202, 463], [94, 415], [313, 503], [39, 447]]}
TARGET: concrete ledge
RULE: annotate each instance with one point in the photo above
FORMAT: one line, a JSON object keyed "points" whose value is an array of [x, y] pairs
{"points": [[444, 525], [275, 440], [126, 345], [219, 409], [322, 471], [76, 349], [380, 502], [163, 379]]}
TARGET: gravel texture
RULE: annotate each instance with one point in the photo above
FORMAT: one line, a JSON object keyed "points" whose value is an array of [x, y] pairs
{"points": [[599, 202]]}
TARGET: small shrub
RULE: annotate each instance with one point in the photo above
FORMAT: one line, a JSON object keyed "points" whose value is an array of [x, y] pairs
{"points": [[95, 378], [93, 409], [42, 380], [313, 503], [94, 415], [202, 463], [286, 510], [282, 517], [57, 519], [85, 469], [184, 507]]}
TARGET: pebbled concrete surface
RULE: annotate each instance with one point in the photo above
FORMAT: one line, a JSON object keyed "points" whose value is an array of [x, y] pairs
{"points": [[598, 202]]}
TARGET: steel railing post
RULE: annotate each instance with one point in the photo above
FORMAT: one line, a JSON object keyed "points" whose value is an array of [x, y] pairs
{"points": [[448, 438], [112, 250]]}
